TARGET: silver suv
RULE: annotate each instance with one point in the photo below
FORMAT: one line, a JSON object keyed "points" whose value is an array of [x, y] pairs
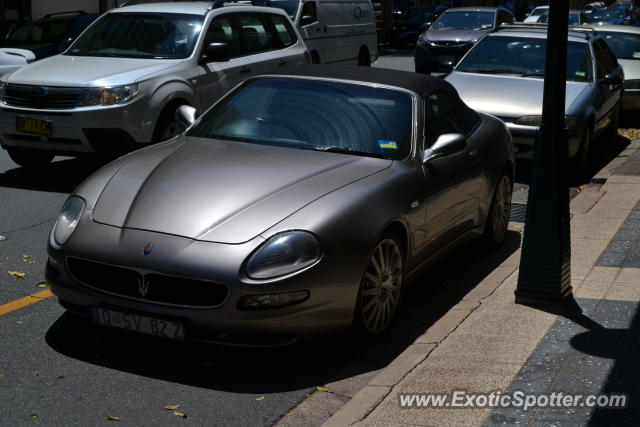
{"points": [[117, 87]]}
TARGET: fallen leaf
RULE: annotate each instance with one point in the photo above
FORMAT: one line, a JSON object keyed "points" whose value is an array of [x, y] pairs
{"points": [[17, 274], [43, 285], [326, 390], [28, 261], [112, 418], [171, 407], [2, 376], [34, 415], [60, 377], [26, 256], [35, 374], [180, 414], [19, 322], [1, 239], [259, 399]]}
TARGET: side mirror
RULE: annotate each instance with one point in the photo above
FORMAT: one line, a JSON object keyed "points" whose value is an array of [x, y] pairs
{"points": [[446, 145], [215, 52], [446, 66], [614, 79], [424, 27], [306, 20], [186, 115], [66, 43]]}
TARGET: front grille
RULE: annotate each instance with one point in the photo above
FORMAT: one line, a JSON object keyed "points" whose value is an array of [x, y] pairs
{"points": [[42, 97], [157, 288], [632, 84], [448, 44]]}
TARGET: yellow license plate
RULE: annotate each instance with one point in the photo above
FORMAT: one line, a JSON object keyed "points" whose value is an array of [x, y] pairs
{"points": [[34, 126]]}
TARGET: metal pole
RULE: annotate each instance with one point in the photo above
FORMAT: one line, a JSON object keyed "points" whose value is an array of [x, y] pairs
{"points": [[545, 265]]}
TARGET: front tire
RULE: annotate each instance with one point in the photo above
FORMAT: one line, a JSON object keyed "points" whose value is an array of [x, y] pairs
{"points": [[380, 288], [168, 126], [364, 59], [30, 159], [498, 219], [582, 159]]}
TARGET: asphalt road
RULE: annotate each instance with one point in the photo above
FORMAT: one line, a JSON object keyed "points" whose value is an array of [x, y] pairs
{"points": [[56, 369]]}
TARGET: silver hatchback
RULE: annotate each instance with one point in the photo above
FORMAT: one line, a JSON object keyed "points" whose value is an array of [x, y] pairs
{"points": [[503, 75]]}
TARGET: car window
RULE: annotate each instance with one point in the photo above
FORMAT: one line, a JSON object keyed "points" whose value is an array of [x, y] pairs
{"points": [[601, 61], [612, 62], [221, 30], [467, 20], [253, 35], [314, 115], [606, 62], [624, 45], [45, 31], [309, 9], [440, 117], [140, 35], [524, 57], [282, 32]]}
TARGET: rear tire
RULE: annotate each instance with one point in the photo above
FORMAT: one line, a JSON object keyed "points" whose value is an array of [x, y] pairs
{"points": [[364, 59], [495, 228], [380, 288], [167, 126], [30, 159]]}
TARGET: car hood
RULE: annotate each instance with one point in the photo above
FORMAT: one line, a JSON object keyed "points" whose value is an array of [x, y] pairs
{"points": [[454, 35], [222, 191], [506, 96], [631, 68], [89, 71], [39, 50]]}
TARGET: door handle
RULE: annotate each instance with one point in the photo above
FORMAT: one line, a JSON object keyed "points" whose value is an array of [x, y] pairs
{"points": [[475, 158], [245, 70]]}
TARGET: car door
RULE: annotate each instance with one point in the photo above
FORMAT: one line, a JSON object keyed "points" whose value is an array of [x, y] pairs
{"points": [[312, 30], [256, 43], [283, 39], [215, 79], [453, 198], [607, 93]]}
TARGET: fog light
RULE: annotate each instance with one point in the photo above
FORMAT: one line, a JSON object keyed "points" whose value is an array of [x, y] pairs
{"points": [[257, 302]]}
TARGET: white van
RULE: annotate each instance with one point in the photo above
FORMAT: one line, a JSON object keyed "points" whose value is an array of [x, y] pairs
{"points": [[335, 31]]}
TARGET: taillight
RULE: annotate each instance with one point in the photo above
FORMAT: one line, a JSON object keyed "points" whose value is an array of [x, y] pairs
{"points": [[307, 57]]}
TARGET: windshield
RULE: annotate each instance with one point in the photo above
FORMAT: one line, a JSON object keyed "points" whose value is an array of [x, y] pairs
{"points": [[607, 14], [471, 20], [314, 115], [539, 11], [289, 6], [524, 57], [574, 18], [51, 31], [624, 45], [140, 35]]}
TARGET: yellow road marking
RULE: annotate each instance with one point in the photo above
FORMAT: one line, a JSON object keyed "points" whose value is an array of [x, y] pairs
{"points": [[23, 302]]}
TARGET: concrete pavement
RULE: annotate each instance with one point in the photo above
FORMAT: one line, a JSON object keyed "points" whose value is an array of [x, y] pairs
{"points": [[487, 342]]}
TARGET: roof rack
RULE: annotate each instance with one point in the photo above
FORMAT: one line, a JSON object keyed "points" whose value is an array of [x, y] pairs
{"points": [[71, 12], [213, 4], [577, 30]]}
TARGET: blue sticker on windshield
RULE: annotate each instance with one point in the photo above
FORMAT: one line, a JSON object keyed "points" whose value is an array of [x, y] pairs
{"points": [[387, 145]]}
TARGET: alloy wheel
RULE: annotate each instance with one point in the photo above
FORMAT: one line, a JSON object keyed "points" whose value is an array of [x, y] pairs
{"points": [[501, 209], [381, 287]]}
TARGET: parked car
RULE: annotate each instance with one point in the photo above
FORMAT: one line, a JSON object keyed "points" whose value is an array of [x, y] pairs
{"points": [[576, 17], [336, 32], [407, 26], [624, 41], [610, 15], [249, 226], [40, 39], [118, 86], [503, 75], [535, 14], [454, 33]]}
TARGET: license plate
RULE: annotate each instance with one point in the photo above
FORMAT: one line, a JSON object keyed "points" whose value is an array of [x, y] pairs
{"points": [[34, 126], [137, 323]]}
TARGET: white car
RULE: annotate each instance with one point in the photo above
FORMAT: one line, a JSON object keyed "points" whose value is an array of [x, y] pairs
{"points": [[11, 59], [117, 87], [336, 31], [535, 14]]}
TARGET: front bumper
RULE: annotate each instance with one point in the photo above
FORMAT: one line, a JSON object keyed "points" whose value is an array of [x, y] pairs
{"points": [[430, 57], [79, 130], [332, 285], [524, 138]]}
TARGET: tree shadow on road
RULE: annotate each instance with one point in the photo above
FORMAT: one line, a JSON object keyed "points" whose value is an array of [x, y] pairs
{"points": [[271, 370]]}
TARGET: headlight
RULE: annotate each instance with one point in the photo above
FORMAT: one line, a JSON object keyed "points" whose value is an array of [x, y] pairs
{"points": [[284, 253], [569, 121], [108, 95], [3, 85], [68, 219]]}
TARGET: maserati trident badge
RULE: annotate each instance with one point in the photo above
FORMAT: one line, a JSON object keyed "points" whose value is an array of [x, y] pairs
{"points": [[147, 248]]}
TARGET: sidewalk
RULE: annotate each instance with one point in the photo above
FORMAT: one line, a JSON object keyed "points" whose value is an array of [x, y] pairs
{"points": [[592, 347]]}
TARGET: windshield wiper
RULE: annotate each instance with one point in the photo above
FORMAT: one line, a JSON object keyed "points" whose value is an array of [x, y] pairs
{"points": [[345, 150], [490, 71], [532, 75]]}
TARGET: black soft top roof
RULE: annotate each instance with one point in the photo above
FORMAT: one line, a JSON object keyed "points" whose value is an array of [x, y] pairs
{"points": [[419, 83], [414, 82]]}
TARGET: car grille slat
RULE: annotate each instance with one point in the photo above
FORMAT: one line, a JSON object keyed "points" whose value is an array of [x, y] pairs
{"points": [[151, 287], [42, 97], [632, 84]]}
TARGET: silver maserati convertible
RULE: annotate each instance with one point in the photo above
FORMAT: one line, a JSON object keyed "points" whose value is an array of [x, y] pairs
{"points": [[299, 203]]}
